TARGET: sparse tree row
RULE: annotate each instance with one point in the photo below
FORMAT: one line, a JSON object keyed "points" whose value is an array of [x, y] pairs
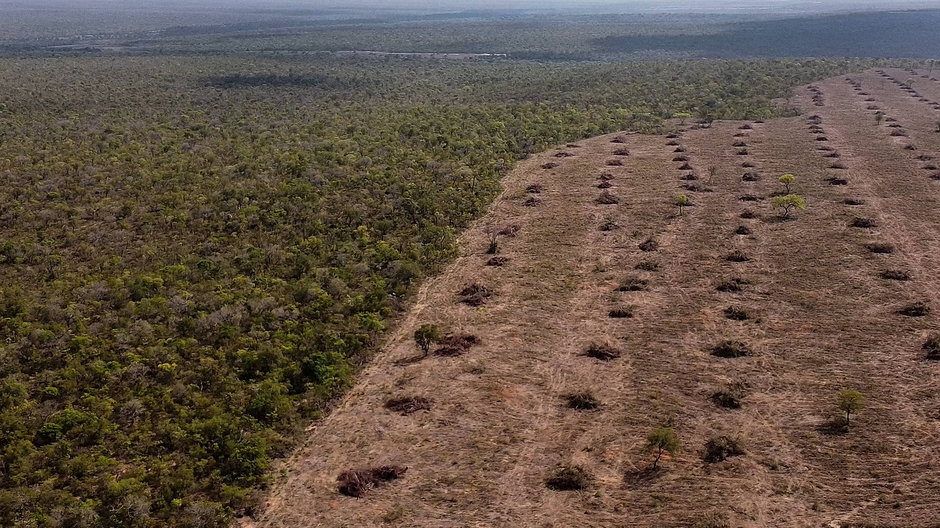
{"points": [[198, 252]]}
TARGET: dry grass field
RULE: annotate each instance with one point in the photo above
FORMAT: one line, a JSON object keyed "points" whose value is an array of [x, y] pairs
{"points": [[809, 298]]}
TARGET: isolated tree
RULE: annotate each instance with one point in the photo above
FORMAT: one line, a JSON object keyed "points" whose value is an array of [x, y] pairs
{"points": [[787, 179], [662, 440], [787, 204], [850, 401], [682, 116], [712, 172], [879, 117], [682, 201], [425, 336]]}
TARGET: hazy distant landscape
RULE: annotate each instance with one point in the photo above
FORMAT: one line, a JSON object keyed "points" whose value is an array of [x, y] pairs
{"points": [[310, 264]]}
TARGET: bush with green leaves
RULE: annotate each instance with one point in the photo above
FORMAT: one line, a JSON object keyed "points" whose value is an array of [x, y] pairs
{"points": [[788, 203], [660, 441]]}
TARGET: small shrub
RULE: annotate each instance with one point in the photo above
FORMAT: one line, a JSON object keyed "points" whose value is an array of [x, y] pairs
{"points": [[619, 139], [569, 477], [935, 176], [582, 401], [822, 138], [672, 136], [932, 347], [497, 261], [563, 154], [614, 163], [747, 214], [898, 133], [355, 483], [736, 314], [633, 284], [456, 345], [739, 144], [425, 336], [509, 231], [606, 198], [534, 188], [742, 152], [722, 448], [474, 294], [917, 309], [680, 158], [732, 285], [647, 265], [853, 201], [609, 225], [745, 127], [604, 185], [925, 157], [862, 223], [649, 245], [750, 177], [622, 152], [623, 312], [750, 198], [737, 256], [689, 177], [603, 352], [897, 275], [729, 397], [605, 176], [910, 147], [679, 149], [672, 143], [408, 405], [748, 164], [731, 349], [837, 181], [685, 166], [880, 248], [742, 230], [531, 201], [831, 155], [549, 165]]}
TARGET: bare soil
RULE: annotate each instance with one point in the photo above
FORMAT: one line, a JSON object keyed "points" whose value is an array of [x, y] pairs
{"points": [[821, 319]]}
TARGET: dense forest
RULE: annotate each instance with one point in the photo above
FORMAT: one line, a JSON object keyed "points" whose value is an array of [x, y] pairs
{"points": [[197, 252]]}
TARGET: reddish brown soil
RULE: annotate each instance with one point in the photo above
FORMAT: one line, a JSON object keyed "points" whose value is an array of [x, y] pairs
{"points": [[821, 319]]}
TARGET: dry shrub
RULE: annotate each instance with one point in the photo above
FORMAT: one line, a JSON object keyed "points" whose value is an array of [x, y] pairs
{"points": [[747, 214], [694, 187], [930, 166], [742, 152], [722, 448], [606, 198], [673, 136], [601, 351], [748, 165], [898, 133], [633, 284], [736, 314], [730, 396], [910, 147], [745, 126], [917, 309], [731, 349], [534, 188], [549, 165], [408, 405], [622, 312], [609, 225], [569, 477], [680, 158], [739, 144], [679, 149], [647, 265], [456, 345], [531, 201], [672, 143], [822, 138], [853, 201], [474, 294], [688, 177], [497, 261], [605, 176], [563, 154], [838, 165], [622, 152], [837, 181], [582, 401], [935, 176], [897, 275], [750, 198], [831, 154], [649, 245], [510, 230], [712, 520], [925, 157], [742, 230], [825, 148], [932, 347], [863, 223], [356, 482], [604, 185], [619, 139], [685, 166], [750, 177], [614, 163], [880, 248]]}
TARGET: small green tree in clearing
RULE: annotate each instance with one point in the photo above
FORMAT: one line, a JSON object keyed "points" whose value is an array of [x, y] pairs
{"points": [[787, 204], [661, 441], [850, 402]]}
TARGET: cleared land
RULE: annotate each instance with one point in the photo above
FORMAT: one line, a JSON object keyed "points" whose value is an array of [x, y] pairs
{"points": [[820, 318]]}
